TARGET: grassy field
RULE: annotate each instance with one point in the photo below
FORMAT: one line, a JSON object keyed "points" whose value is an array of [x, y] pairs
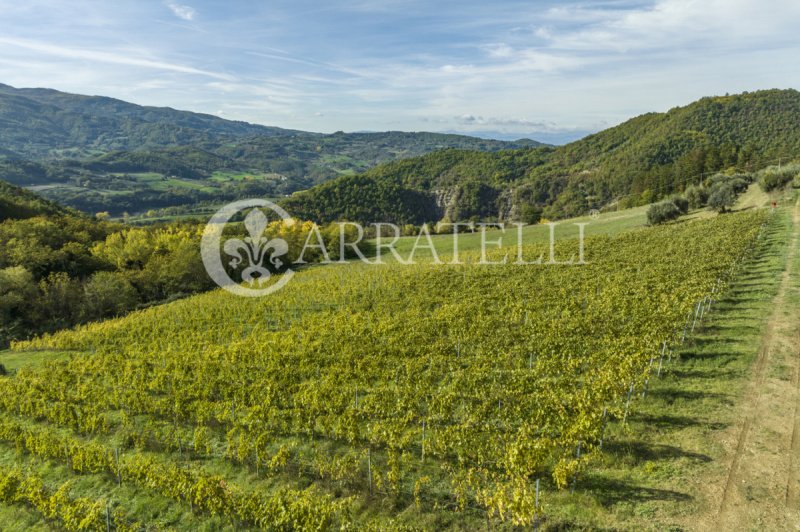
{"points": [[224, 176], [608, 224], [13, 361], [129, 188]]}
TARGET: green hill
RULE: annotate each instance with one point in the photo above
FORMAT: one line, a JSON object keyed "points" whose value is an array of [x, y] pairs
{"points": [[38, 122], [83, 144], [636, 162]]}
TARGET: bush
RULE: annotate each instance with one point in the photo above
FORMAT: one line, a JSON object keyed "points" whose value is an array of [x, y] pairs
{"points": [[774, 177], [530, 214], [662, 212], [681, 203], [697, 196], [715, 179], [739, 184]]}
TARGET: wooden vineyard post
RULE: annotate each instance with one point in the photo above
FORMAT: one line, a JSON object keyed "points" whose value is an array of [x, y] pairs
{"points": [[686, 326], [119, 471], [627, 404], [536, 507], [369, 470], [575, 476], [603, 430], [661, 359], [696, 312], [647, 380], [423, 440]]}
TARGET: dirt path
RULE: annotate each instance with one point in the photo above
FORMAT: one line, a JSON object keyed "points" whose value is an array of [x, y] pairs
{"points": [[762, 488]]}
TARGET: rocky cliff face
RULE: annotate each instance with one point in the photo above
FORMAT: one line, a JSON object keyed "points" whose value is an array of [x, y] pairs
{"points": [[507, 209], [447, 202]]}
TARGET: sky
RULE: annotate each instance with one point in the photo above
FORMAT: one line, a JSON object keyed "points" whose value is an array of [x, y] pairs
{"points": [[547, 70]]}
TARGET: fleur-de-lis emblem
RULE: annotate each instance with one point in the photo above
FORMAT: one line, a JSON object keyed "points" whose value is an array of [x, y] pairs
{"points": [[255, 248]]}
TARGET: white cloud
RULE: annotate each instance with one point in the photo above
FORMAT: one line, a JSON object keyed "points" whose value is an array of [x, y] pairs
{"points": [[510, 123], [115, 57], [182, 11], [499, 50], [675, 23]]}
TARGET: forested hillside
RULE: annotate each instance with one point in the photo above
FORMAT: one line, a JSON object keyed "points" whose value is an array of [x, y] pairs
{"points": [[634, 163], [59, 267]]}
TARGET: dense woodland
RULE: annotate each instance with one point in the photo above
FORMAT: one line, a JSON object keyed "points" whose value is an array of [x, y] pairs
{"points": [[59, 267]]}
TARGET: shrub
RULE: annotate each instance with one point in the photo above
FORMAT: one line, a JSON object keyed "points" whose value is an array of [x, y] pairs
{"points": [[662, 212], [697, 196], [774, 177], [681, 203], [530, 214], [739, 184]]}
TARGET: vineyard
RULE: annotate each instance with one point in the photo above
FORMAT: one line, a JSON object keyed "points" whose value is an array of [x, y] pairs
{"points": [[366, 397]]}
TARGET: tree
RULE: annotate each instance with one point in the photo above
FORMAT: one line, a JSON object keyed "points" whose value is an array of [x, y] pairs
{"points": [[697, 195], [60, 299], [17, 290], [721, 196], [530, 214], [108, 294]]}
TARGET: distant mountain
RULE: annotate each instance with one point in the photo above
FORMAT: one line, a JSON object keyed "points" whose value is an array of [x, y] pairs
{"points": [[39, 122], [79, 141], [36, 123], [556, 137], [636, 162]]}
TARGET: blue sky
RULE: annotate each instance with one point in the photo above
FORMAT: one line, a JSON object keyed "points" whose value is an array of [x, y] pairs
{"points": [[541, 69]]}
